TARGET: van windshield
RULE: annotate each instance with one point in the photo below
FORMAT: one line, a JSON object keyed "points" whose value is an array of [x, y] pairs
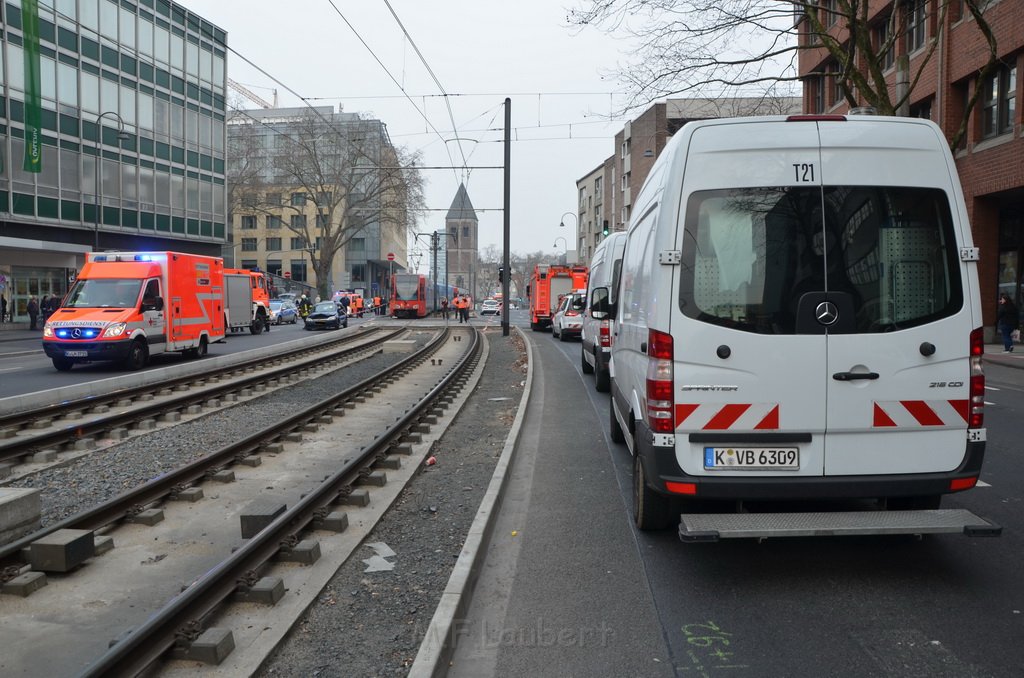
{"points": [[750, 255], [104, 293]]}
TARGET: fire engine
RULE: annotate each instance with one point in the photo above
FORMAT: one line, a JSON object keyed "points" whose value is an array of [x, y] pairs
{"points": [[549, 283], [126, 306], [247, 300]]}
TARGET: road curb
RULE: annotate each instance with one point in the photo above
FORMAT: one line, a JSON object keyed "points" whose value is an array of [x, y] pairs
{"points": [[435, 651]]}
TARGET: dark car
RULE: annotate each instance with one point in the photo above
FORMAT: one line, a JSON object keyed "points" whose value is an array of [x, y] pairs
{"points": [[327, 315]]}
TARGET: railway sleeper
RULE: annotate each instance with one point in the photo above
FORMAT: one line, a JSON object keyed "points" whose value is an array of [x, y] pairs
{"points": [[266, 591]]}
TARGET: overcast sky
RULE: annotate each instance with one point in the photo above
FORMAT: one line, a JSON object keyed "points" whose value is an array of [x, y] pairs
{"points": [[559, 81]]}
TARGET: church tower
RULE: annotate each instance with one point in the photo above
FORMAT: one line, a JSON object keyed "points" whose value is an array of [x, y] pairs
{"points": [[462, 227]]}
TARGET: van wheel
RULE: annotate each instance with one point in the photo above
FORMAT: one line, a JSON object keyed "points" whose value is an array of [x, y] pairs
{"points": [[584, 365], [138, 354], [63, 364], [651, 510], [614, 428], [928, 502], [602, 377]]}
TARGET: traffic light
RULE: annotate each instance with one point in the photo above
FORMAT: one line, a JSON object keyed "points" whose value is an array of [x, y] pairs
{"points": [[501, 274], [605, 230]]}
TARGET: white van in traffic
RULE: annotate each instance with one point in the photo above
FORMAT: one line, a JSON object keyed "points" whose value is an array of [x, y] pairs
{"points": [[596, 336], [799, 318]]}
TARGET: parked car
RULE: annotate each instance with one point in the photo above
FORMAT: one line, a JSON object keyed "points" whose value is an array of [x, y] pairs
{"points": [[327, 315], [567, 322], [283, 311], [289, 296], [490, 307]]}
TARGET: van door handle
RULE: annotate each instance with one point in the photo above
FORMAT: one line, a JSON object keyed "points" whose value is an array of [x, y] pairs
{"points": [[851, 376], [643, 347]]}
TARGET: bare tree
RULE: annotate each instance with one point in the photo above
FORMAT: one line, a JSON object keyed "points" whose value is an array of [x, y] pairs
{"points": [[711, 47], [346, 170]]}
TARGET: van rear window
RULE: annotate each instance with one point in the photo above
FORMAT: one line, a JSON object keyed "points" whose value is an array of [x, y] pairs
{"points": [[750, 254]]}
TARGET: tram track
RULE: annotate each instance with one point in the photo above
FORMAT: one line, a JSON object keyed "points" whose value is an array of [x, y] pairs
{"points": [[41, 434], [313, 509]]}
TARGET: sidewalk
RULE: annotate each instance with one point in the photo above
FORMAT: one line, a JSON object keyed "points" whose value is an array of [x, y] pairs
{"points": [[19, 332]]}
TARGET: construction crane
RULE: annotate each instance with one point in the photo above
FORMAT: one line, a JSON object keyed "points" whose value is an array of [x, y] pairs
{"points": [[252, 96]]}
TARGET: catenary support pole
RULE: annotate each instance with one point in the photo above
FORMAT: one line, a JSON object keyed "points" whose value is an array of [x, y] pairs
{"points": [[508, 192]]}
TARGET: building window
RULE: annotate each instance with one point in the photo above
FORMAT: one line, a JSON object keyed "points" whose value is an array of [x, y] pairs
{"points": [[319, 243], [298, 243], [324, 198], [250, 264], [298, 267], [248, 244], [273, 198], [298, 221], [881, 32], [274, 245], [357, 244], [922, 109], [465, 233], [999, 105], [273, 222], [298, 200], [837, 88], [831, 13], [818, 94], [321, 220], [357, 273], [917, 15], [274, 266], [249, 223]]}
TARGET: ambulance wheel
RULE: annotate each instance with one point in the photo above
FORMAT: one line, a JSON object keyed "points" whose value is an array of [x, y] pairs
{"points": [[584, 365], [138, 354], [928, 502], [63, 364], [651, 510], [199, 351], [614, 428]]}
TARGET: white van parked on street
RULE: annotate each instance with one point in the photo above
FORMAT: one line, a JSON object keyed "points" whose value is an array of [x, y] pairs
{"points": [[596, 336], [799, 319]]}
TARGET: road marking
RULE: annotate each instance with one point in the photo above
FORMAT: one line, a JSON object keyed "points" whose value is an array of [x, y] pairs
{"points": [[992, 388], [982, 483]]}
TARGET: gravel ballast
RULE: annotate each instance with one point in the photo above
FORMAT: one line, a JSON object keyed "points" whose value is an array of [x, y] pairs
{"points": [[372, 623]]}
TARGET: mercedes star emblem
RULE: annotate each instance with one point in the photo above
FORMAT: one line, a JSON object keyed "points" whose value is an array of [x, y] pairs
{"points": [[826, 313], [76, 333]]}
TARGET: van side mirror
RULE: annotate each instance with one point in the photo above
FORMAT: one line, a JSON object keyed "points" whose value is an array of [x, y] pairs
{"points": [[600, 308], [153, 304], [578, 304]]}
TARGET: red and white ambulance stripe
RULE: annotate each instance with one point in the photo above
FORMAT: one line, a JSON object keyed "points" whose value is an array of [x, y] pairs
{"points": [[731, 417], [921, 414]]}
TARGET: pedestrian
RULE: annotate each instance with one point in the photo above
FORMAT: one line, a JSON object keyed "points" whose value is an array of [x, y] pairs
{"points": [[444, 307], [376, 304], [1007, 320], [33, 312], [3, 307], [465, 308]]}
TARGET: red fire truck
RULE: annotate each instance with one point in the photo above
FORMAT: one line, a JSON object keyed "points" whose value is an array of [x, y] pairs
{"points": [[548, 284]]}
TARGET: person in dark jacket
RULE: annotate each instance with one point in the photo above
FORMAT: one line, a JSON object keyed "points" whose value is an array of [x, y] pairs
{"points": [[1007, 320], [3, 307], [33, 312]]}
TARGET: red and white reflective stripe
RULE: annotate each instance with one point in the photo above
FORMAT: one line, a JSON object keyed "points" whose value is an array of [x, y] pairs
{"points": [[729, 417], [921, 414]]}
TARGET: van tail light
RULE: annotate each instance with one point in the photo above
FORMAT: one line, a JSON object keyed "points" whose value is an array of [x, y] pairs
{"points": [[660, 392], [605, 334], [976, 416], [571, 313]]}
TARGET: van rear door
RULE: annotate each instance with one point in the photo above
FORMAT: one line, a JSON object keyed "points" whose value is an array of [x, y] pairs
{"points": [[750, 397], [897, 375]]}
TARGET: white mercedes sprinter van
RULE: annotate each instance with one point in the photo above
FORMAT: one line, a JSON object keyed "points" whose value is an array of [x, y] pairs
{"points": [[799, 318], [596, 336]]}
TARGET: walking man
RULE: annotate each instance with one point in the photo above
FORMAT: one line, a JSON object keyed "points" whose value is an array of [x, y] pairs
{"points": [[1008, 320], [33, 312], [3, 307]]}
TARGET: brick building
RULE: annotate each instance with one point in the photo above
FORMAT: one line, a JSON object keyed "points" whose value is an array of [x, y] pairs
{"points": [[989, 159]]}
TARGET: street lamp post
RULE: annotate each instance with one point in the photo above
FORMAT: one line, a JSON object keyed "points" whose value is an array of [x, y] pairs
{"points": [[121, 136], [561, 223], [555, 244]]}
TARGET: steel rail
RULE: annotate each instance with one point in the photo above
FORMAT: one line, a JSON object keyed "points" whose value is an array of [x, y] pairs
{"points": [[163, 631], [14, 448], [17, 420], [127, 503]]}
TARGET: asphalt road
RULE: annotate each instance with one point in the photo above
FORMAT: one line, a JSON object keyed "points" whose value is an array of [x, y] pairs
{"points": [[578, 591]]}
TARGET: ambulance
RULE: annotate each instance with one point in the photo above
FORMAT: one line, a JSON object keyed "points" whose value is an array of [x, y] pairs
{"points": [[548, 284], [798, 318], [127, 306]]}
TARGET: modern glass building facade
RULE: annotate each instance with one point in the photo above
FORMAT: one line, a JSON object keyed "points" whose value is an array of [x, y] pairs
{"points": [[133, 117]]}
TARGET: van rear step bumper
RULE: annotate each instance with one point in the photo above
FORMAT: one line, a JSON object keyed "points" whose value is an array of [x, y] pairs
{"points": [[694, 527]]}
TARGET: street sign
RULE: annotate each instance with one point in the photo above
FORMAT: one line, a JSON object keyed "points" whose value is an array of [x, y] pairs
{"points": [[287, 274], [391, 256]]}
